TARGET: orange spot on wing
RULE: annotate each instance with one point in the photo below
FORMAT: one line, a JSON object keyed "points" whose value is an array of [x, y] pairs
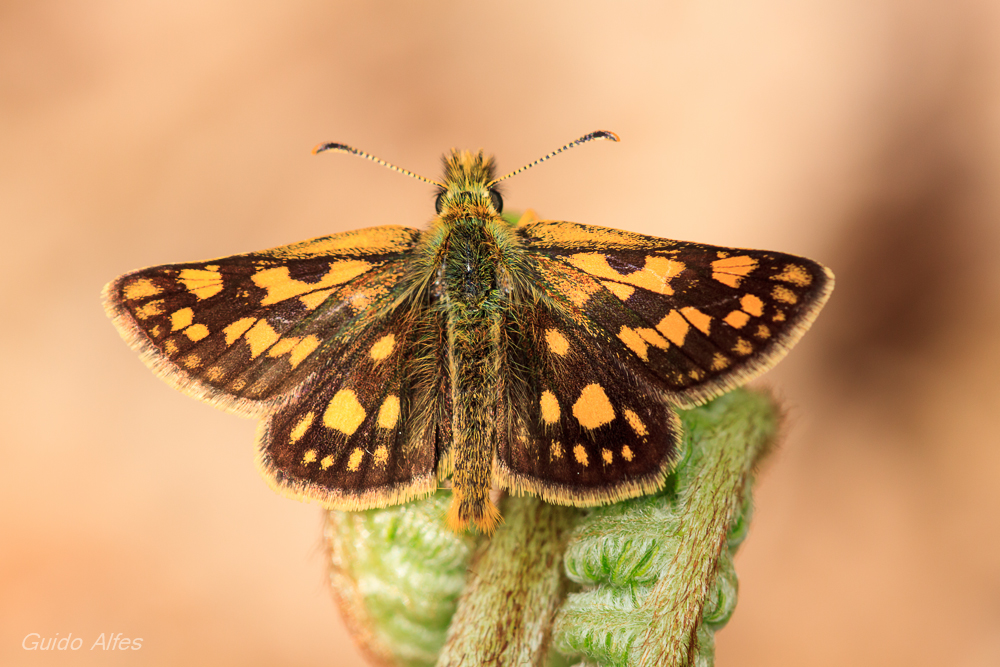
{"points": [[742, 347], [650, 336], [181, 318], [260, 337], [674, 327], [730, 271], [383, 347], [388, 414], [151, 309], [344, 413], [237, 329], [634, 342], [637, 425], [557, 342], [280, 286], [593, 409], [719, 362], [140, 288], [354, 462], [283, 346], [736, 319], [784, 295], [623, 292], [555, 450], [752, 304], [314, 299], [303, 350], [794, 274], [203, 283], [196, 332], [700, 320], [549, 406], [654, 276], [301, 426]]}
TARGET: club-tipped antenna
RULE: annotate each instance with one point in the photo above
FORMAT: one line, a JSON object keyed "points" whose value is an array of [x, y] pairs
{"points": [[344, 148], [600, 134]]}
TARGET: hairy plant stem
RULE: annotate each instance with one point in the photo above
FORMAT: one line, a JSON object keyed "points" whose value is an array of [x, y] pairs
{"points": [[515, 586], [711, 495]]}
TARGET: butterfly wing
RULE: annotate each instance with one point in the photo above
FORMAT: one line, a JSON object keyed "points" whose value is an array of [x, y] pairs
{"points": [[370, 431], [245, 332], [580, 426], [311, 335], [701, 319], [646, 321]]}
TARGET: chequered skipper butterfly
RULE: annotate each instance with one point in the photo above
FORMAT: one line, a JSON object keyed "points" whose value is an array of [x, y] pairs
{"points": [[540, 357]]}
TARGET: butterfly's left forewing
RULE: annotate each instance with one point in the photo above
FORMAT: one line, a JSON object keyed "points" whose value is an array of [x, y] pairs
{"points": [[246, 332], [314, 337]]}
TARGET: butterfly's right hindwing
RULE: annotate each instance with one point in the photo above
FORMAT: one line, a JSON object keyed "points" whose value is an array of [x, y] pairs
{"points": [[580, 427]]}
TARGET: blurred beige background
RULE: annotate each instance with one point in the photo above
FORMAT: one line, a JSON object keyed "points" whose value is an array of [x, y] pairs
{"points": [[862, 133]]}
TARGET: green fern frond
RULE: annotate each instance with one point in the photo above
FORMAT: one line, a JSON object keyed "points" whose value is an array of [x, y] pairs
{"points": [[396, 574], [654, 569], [642, 582]]}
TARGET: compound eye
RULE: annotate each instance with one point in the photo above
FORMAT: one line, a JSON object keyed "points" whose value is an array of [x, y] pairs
{"points": [[439, 203], [497, 200]]}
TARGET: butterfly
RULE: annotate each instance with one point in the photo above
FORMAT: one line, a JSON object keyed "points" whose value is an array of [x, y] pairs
{"points": [[537, 356]]}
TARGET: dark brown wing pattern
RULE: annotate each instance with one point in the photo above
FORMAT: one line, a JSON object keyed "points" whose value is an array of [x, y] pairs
{"points": [[241, 332], [700, 319], [307, 335], [628, 326]]}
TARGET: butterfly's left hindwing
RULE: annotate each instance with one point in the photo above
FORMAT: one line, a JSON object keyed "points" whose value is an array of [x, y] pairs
{"points": [[353, 439], [318, 337], [245, 332]]}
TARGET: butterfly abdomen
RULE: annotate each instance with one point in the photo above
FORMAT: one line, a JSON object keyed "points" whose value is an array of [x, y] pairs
{"points": [[475, 392], [472, 271]]}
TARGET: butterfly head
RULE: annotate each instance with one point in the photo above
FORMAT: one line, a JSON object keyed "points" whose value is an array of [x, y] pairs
{"points": [[468, 189]]}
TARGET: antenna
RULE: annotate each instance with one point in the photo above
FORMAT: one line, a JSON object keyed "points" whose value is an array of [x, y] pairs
{"points": [[600, 134], [344, 148]]}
